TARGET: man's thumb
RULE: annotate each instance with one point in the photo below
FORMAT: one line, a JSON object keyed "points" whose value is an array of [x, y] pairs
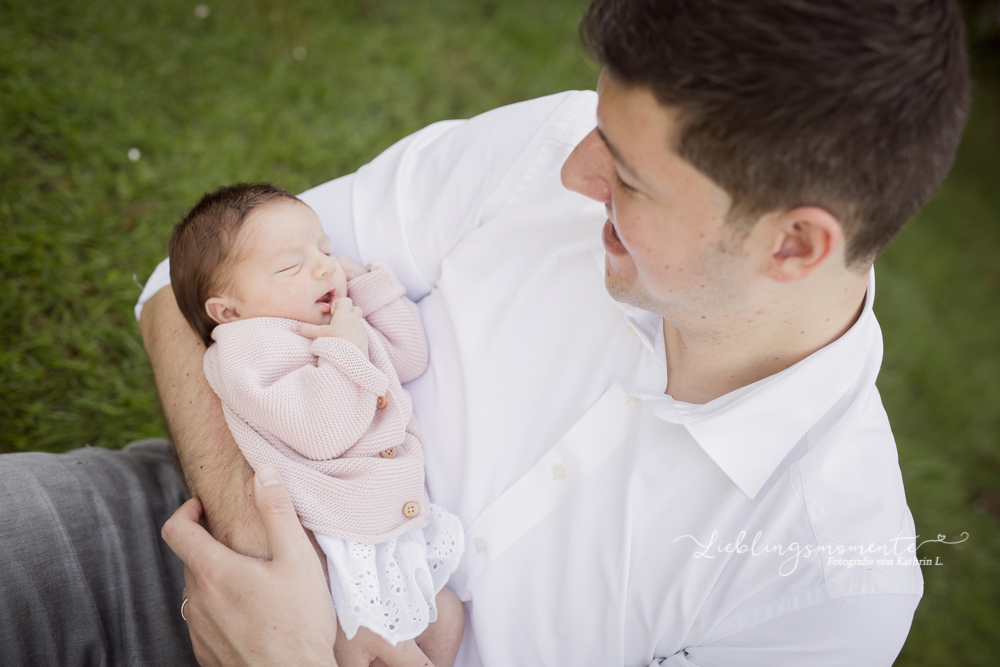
{"points": [[284, 532]]}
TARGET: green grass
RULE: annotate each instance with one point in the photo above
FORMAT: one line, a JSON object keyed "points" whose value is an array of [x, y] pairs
{"points": [[939, 305], [212, 101], [206, 102]]}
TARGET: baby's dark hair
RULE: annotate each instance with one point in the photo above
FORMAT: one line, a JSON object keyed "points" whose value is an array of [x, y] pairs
{"points": [[203, 249]]}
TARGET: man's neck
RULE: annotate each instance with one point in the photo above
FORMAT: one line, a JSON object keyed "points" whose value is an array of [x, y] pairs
{"points": [[704, 363]]}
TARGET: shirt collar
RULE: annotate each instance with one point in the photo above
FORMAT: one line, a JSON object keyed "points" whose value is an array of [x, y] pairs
{"points": [[748, 432]]}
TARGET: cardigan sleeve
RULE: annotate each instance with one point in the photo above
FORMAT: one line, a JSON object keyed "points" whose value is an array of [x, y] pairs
{"points": [[382, 299], [319, 399]]}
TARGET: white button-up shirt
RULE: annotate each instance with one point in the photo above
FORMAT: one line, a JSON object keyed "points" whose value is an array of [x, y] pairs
{"points": [[607, 523]]}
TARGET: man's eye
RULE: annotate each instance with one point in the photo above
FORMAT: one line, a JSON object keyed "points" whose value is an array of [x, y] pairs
{"points": [[626, 188]]}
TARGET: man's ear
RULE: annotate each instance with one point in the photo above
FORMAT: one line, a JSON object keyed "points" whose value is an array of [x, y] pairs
{"points": [[803, 239], [222, 309]]}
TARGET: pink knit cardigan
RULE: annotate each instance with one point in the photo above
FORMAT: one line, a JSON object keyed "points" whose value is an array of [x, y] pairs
{"points": [[309, 407]]}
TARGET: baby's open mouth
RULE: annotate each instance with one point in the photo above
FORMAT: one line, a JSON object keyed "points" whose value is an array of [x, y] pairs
{"points": [[325, 301]]}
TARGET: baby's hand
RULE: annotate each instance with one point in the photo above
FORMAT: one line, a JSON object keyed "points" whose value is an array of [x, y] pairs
{"points": [[346, 321], [367, 647], [351, 268]]}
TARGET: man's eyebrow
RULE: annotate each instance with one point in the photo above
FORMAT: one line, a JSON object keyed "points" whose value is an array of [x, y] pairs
{"points": [[619, 159]]}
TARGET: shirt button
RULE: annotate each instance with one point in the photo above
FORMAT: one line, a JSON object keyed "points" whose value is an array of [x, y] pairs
{"points": [[632, 333], [559, 471], [411, 509], [480, 544], [634, 399], [388, 453], [381, 402]]}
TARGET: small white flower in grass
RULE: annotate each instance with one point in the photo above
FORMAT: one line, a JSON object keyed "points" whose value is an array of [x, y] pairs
{"points": [[299, 53], [202, 11], [134, 154]]}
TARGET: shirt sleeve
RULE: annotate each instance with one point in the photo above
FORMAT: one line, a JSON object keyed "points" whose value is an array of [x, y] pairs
{"points": [[863, 630], [157, 281], [414, 202]]}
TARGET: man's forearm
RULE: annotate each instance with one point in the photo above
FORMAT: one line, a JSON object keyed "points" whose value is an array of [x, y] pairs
{"points": [[215, 470]]}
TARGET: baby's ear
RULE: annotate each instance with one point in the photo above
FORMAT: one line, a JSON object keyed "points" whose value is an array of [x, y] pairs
{"points": [[222, 309]]}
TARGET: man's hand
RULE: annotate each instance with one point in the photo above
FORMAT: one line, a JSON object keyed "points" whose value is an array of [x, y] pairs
{"points": [[347, 322], [249, 611], [351, 268]]}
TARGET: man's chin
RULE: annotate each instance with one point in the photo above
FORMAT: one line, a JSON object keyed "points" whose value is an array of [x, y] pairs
{"points": [[615, 290], [623, 292], [619, 290]]}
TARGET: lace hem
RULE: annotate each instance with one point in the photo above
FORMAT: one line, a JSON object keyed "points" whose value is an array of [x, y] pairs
{"points": [[390, 587]]}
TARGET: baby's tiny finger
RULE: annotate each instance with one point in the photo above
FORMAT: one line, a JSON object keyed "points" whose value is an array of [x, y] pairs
{"points": [[306, 330]]}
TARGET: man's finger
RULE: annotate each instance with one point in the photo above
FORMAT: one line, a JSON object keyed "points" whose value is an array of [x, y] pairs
{"points": [[187, 538], [284, 532]]}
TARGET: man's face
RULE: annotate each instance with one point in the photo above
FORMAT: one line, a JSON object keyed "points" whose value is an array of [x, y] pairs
{"points": [[287, 269], [669, 249]]}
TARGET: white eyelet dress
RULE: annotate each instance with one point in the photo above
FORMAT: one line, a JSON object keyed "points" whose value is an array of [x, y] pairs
{"points": [[390, 587]]}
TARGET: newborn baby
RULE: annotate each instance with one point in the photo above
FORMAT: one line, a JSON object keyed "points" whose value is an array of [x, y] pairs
{"points": [[307, 352]]}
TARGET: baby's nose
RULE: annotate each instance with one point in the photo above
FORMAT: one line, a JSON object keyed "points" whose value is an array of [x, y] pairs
{"points": [[325, 266]]}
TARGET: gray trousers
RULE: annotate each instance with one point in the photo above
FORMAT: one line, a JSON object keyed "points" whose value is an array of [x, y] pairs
{"points": [[85, 578]]}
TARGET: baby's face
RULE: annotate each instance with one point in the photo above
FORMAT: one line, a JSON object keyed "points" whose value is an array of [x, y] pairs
{"points": [[287, 269]]}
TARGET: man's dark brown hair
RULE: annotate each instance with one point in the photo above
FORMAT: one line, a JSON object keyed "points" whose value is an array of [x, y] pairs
{"points": [[855, 106], [203, 248]]}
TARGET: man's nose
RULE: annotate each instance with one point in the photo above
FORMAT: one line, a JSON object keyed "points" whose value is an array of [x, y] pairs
{"points": [[588, 168]]}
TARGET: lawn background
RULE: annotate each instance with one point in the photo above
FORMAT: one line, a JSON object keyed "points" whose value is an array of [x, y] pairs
{"points": [[208, 101]]}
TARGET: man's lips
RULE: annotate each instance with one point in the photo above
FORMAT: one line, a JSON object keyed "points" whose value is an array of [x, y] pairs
{"points": [[612, 244]]}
